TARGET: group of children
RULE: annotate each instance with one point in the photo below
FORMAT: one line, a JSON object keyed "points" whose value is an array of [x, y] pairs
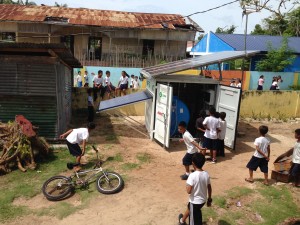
{"points": [[274, 86], [104, 85], [236, 83], [198, 184]]}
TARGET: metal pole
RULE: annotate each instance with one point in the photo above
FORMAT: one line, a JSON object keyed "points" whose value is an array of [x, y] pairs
{"points": [[245, 49]]}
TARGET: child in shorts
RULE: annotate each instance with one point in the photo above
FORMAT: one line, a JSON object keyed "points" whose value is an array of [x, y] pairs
{"points": [[75, 137], [198, 187], [261, 156], [212, 127], [191, 146]]}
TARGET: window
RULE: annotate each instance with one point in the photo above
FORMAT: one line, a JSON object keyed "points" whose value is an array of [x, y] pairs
{"points": [[68, 41], [148, 47], [95, 48], [8, 36]]}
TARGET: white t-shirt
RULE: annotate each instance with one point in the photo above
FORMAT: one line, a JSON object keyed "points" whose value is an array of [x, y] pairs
{"points": [[262, 143], [212, 124], [239, 85], [232, 85], [79, 78], [199, 181], [261, 81], [296, 153], [78, 135], [136, 84], [98, 80], [188, 139], [222, 133], [107, 80], [123, 80]]}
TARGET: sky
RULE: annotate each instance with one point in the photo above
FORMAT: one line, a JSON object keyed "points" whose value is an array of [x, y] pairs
{"points": [[210, 21]]}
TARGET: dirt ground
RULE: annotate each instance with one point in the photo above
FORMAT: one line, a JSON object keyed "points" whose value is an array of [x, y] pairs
{"points": [[154, 193]]}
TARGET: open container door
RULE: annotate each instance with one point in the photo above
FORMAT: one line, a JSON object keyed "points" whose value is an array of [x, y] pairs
{"points": [[228, 101], [163, 114]]}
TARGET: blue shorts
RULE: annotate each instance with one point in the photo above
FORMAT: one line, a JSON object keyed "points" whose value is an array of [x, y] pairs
{"points": [[256, 162], [210, 144], [187, 159], [295, 170], [123, 86]]}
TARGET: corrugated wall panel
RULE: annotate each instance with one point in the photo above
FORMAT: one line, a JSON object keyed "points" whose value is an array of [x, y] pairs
{"points": [[30, 90]]}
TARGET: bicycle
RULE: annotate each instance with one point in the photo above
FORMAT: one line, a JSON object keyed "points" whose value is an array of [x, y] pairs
{"points": [[60, 187]]}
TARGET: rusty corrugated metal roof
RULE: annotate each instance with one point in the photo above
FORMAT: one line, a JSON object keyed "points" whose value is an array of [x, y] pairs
{"points": [[92, 17]]}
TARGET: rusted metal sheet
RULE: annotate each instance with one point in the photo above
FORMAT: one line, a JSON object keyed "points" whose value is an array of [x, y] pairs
{"points": [[91, 17]]}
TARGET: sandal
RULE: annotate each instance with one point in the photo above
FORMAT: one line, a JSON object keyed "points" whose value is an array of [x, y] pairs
{"points": [[248, 180]]}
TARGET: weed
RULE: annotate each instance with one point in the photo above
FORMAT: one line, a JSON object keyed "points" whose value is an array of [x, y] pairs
{"points": [[60, 210], [238, 192], [111, 137], [130, 166], [143, 157], [209, 213], [254, 115], [117, 158], [220, 201]]}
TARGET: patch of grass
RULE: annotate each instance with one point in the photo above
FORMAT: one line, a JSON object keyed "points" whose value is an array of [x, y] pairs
{"points": [[276, 206], [208, 212], [111, 137], [117, 158], [60, 210], [19, 184], [238, 192], [220, 201], [130, 166], [108, 147], [143, 157]]}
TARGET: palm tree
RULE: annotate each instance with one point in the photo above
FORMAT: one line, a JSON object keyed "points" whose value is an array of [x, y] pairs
{"points": [[60, 5]]}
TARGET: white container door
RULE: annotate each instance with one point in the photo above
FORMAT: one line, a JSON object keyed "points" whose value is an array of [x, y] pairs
{"points": [[228, 101], [163, 114]]}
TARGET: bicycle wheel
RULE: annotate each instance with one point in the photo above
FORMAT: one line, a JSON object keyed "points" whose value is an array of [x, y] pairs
{"points": [[57, 187], [109, 183]]}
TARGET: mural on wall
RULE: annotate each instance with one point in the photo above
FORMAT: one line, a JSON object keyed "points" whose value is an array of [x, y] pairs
{"points": [[87, 74]]}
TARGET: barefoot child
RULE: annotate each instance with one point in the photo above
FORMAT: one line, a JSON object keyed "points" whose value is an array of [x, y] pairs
{"points": [[261, 156], [191, 146], [198, 186], [76, 137]]}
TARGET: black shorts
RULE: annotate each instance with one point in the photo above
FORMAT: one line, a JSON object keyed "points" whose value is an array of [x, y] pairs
{"points": [[210, 144], [220, 147], [187, 159], [259, 87], [295, 170], [123, 86], [195, 217], [255, 162], [74, 149]]}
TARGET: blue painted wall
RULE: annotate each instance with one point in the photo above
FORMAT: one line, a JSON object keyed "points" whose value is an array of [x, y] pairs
{"points": [[288, 79], [115, 73]]}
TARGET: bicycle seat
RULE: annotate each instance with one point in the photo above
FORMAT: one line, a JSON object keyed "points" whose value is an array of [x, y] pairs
{"points": [[71, 165]]}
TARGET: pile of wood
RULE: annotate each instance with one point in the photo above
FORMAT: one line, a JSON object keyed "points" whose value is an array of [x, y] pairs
{"points": [[19, 145]]}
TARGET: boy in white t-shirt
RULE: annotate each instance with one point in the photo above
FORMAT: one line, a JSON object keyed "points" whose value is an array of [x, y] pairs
{"points": [[199, 188], [75, 137], [191, 146], [212, 127], [261, 156], [136, 84]]}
